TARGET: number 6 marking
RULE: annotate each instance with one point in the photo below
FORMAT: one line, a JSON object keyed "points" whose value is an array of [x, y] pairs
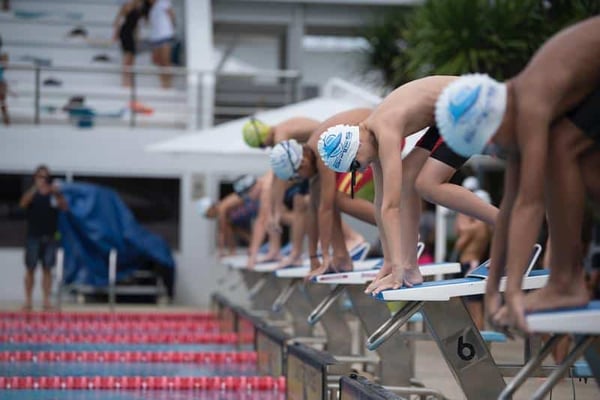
{"points": [[466, 351]]}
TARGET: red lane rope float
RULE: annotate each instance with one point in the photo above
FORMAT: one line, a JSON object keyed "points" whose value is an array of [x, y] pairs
{"points": [[105, 316], [130, 356], [223, 383], [124, 338], [87, 325]]}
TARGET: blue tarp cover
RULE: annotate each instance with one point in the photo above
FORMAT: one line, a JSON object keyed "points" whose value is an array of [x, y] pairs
{"points": [[98, 221]]}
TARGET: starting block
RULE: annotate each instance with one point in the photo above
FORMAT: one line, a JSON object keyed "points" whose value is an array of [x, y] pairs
{"points": [[583, 322], [452, 328]]}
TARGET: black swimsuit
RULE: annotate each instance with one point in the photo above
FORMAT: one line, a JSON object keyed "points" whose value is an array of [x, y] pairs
{"points": [[586, 116], [127, 32]]}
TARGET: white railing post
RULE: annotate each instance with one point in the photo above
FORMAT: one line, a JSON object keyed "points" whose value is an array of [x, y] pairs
{"points": [[60, 268], [441, 224], [112, 278], [208, 99], [192, 100]]}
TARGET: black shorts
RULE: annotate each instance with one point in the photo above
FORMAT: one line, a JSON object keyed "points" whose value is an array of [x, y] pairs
{"points": [[300, 188], [127, 42], [586, 116], [432, 142], [40, 249]]}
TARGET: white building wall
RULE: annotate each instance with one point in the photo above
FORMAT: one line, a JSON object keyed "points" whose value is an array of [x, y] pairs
{"points": [[121, 153]]}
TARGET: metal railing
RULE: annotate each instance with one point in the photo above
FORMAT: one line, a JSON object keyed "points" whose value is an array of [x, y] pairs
{"points": [[197, 88]]}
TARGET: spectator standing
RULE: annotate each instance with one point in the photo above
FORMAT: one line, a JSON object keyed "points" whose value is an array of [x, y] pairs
{"points": [[162, 34], [125, 26], [3, 89], [42, 203]]}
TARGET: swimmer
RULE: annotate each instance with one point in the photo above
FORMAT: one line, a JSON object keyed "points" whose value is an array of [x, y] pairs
{"points": [[376, 141], [329, 195], [234, 216], [285, 196], [549, 111]]}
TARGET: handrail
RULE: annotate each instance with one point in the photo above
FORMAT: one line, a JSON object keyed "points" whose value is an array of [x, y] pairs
{"points": [[389, 327], [152, 70], [200, 85], [325, 304], [337, 83]]}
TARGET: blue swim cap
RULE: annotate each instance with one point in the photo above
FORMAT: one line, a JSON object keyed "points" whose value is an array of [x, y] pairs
{"points": [[338, 146], [286, 157], [469, 111]]}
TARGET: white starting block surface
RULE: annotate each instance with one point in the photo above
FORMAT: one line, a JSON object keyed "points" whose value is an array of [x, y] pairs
{"points": [[235, 261], [302, 272], [362, 277], [581, 320], [446, 289]]}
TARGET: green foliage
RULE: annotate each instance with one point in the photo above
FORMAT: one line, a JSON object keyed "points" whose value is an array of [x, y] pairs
{"points": [[386, 46], [458, 36]]}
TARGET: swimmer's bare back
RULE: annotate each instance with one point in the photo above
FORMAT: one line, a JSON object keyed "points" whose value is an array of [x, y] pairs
{"points": [[409, 108], [350, 117], [565, 69]]}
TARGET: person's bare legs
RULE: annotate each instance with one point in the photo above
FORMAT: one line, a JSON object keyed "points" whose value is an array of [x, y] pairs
{"points": [[565, 200], [46, 287], [3, 106], [475, 308], [29, 284], [410, 214], [297, 230], [341, 260], [128, 59], [164, 57], [351, 237], [432, 184]]}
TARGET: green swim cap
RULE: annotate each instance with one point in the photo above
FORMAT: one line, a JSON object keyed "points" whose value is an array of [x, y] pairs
{"points": [[255, 132]]}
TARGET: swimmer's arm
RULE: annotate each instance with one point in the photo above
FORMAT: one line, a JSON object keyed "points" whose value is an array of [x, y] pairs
{"points": [[378, 180], [499, 240], [326, 207], [391, 166], [528, 211], [229, 202], [299, 128], [312, 228], [277, 193], [259, 229]]}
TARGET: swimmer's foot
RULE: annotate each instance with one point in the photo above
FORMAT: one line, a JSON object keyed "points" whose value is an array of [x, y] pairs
{"points": [[27, 307], [289, 261], [269, 257], [552, 297], [510, 318]]}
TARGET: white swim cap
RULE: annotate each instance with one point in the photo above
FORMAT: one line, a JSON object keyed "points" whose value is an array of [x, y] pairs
{"points": [[483, 195], [469, 112], [286, 158], [471, 183], [243, 184], [203, 205], [338, 146]]}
